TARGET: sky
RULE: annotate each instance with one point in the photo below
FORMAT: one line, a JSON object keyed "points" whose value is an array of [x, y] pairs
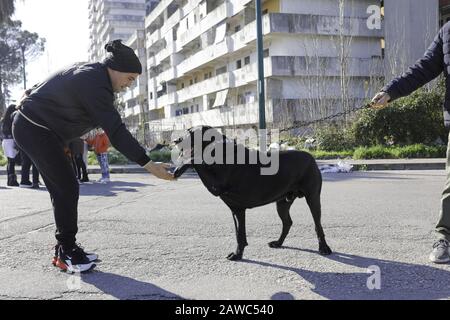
{"points": [[64, 24]]}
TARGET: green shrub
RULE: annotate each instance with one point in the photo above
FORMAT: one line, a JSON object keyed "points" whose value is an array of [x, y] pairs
{"points": [[325, 155], [160, 156], [419, 151], [334, 138], [416, 119], [3, 160], [92, 158], [115, 157], [412, 151], [376, 152]]}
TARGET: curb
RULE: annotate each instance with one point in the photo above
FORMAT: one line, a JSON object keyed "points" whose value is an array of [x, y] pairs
{"points": [[358, 165]]}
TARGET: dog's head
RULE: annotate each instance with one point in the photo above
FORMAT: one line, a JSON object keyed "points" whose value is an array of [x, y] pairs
{"points": [[192, 144]]}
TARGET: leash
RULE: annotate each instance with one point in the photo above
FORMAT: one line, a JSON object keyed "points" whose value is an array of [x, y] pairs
{"points": [[300, 124]]}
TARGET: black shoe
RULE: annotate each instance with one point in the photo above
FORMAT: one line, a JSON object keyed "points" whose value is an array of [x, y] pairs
{"points": [[90, 256], [35, 186], [26, 184], [85, 179], [12, 181], [73, 260]]}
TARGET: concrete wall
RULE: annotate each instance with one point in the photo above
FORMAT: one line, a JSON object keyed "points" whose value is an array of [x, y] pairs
{"points": [[410, 26]]}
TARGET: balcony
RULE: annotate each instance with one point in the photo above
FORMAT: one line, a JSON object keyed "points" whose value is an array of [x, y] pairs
{"points": [[164, 53], [167, 75], [322, 66], [320, 25], [249, 73], [213, 18], [220, 117], [217, 83], [204, 56], [153, 38], [172, 21], [157, 12], [165, 100]]}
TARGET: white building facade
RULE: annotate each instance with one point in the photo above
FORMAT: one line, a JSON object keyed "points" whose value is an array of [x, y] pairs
{"points": [[202, 61], [111, 20]]}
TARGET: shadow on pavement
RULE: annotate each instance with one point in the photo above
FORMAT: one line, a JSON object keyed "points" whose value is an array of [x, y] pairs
{"points": [[282, 296], [110, 189], [399, 281], [124, 288]]}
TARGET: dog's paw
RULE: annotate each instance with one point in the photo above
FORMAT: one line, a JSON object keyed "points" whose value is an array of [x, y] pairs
{"points": [[275, 244], [325, 250], [234, 257]]}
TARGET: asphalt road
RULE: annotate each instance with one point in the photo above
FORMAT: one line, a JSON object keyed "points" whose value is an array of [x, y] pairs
{"points": [[169, 240]]}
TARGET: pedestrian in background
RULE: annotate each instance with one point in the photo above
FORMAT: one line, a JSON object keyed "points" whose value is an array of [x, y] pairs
{"points": [[100, 145], [9, 146]]}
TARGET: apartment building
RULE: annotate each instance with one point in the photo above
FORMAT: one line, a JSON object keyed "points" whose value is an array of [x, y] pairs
{"points": [[320, 57], [410, 27], [202, 61], [114, 19], [134, 104]]}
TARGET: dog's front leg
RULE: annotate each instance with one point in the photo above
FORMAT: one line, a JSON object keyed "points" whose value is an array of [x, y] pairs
{"points": [[241, 235]]}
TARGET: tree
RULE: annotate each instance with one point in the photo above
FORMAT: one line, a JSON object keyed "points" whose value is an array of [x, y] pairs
{"points": [[16, 47], [30, 46], [9, 60], [6, 10]]}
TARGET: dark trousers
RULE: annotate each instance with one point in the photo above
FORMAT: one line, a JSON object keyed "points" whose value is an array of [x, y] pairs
{"points": [[11, 166], [80, 166], [46, 151], [26, 166]]}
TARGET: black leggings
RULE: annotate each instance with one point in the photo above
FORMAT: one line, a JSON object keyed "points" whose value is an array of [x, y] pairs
{"points": [[11, 166], [26, 166], [80, 166], [46, 151]]}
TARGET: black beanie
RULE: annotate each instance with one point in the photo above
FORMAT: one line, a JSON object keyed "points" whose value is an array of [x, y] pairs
{"points": [[122, 58]]}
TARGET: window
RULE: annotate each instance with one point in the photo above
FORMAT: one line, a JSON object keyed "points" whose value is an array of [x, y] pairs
{"points": [[195, 80], [185, 110], [192, 109], [191, 82], [210, 74], [221, 70], [182, 85], [266, 53], [197, 108], [178, 113], [206, 76], [238, 64], [265, 11], [237, 28], [247, 60], [151, 95]]}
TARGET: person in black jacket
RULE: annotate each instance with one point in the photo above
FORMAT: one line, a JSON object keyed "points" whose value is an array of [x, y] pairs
{"points": [[435, 61], [9, 146], [64, 107]]}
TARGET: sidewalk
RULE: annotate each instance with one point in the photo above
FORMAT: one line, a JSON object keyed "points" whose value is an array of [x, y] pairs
{"points": [[358, 165]]}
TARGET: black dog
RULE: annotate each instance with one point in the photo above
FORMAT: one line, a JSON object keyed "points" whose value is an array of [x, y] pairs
{"points": [[242, 186]]}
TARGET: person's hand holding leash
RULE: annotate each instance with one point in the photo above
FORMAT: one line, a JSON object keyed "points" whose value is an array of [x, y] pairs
{"points": [[380, 100], [159, 170]]}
